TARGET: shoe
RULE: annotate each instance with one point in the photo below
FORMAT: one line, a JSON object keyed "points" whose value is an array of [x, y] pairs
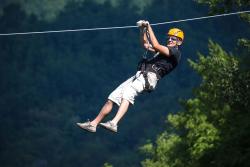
{"points": [[87, 126], [110, 126]]}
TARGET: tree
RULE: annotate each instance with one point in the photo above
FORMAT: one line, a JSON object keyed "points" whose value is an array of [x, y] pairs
{"points": [[214, 122], [49, 10]]}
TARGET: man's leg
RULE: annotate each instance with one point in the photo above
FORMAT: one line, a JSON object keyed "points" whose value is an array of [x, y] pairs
{"points": [[112, 125], [106, 109], [121, 111], [91, 126]]}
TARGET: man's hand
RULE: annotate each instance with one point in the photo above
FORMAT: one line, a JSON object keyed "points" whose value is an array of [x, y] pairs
{"points": [[142, 23], [139, 23], [145, 23]]}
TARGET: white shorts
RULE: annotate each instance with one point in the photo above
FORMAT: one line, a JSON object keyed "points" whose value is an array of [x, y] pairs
{"points": [[131, 88]]}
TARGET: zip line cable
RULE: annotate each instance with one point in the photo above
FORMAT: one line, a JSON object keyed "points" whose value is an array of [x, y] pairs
{"points": [[119, 27]]}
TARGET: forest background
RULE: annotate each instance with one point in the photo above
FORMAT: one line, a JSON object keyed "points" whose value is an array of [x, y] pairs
{"points": [[51, 81]]}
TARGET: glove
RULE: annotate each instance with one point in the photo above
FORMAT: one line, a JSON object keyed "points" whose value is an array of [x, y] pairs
{"points": [[145, 23], [142, 23], [139, 23]]}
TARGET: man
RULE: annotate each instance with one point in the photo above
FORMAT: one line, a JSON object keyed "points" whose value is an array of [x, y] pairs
{"points": [[166, 58]]}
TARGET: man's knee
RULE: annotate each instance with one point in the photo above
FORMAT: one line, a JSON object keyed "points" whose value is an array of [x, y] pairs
{"points": [[127, 101], [109, 103]]}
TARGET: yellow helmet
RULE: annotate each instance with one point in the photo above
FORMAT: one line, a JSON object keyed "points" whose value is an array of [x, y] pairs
{"points": [[177, 33]]}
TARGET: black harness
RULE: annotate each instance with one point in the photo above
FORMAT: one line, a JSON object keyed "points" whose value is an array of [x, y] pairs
{"points": [[159, 64], [145, 67], [142, 66]]}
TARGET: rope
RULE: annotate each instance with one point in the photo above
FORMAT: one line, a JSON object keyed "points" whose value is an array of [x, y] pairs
{"points": [[120, 27]]}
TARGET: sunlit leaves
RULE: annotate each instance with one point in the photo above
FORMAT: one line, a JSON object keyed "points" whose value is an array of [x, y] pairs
{"points": [[218, 71], [163, 154], [107, 165], [222, 6]]}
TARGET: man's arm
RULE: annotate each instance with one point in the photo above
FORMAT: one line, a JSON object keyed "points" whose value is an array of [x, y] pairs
{"points": [[155, 44], [144, 40]]}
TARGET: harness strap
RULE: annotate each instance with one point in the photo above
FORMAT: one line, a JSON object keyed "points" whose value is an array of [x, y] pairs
{"points": [[148, 88], [143, 68]]}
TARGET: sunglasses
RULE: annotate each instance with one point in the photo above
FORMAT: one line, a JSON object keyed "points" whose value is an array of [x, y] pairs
{"points": [[172, 38]]}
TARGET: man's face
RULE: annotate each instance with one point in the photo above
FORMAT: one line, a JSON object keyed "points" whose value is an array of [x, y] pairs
{"points": [[172, 41]]}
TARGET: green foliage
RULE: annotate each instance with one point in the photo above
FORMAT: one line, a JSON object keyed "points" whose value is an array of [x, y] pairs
{"points": [[107, 165], [218, 72], [245, 43], [221, 6], [225, 5], [197, 135], [163, 155], [211, 121], [42, 9], [49, 10]]}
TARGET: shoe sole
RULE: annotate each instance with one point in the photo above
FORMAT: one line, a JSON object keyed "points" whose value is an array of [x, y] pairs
{"points": [[84, 128], [108, 128]]}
